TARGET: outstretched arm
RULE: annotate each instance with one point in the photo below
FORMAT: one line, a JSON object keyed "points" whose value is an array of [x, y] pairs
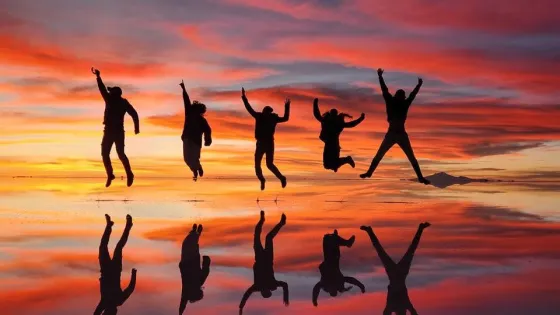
{"points": [[246, 297], [284, 286], [415, 91], [286, 112], [186, 98], [316, 291], [247, 105], [355, 282], [100, 85], [354, 123], [128, 291], [384, 88], [134, 114], [316, 111]]}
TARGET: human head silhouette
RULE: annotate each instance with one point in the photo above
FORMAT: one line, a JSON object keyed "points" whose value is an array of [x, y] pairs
{"points": [[267, 110], [115, 91], [266, 293], [400, 95], [196, 296], [199, 107]]}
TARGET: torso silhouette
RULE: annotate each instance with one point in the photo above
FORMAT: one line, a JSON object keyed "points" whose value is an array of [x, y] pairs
{"points": [[110, 283], [397, 111], [396, 289], [194, 127], [115, 109], [331, 128], [265, 126], [263, 272]]}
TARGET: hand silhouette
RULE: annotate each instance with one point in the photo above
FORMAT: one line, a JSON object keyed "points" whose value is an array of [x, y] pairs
{"points": [[287, 102], [363, 116], [243, 92], [420, 81], [380, 71], [95, 71], [208, 143], [134, 270], [182, 84]]}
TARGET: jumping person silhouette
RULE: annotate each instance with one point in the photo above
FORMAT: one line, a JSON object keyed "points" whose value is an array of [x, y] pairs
{"points": [[193, 276], [115, 108], [194, 127], [398, 300], [112, 296], [265, 127], [332, 124], [263, 268], [332, 279], [397, 109]]}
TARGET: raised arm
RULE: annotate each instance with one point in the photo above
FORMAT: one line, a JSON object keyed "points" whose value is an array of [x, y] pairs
{"points": [[246, 297], [286, 112], [134, 114], [415, 91], [316, 111], [247, 105], [384, 88], [354, 123], [128, 291], [355, 282], [186, 98], [316, 291], [284, 286], [100, 84]]}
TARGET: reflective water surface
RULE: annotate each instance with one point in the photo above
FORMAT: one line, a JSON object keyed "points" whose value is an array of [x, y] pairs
{"points": [[493, 248]]}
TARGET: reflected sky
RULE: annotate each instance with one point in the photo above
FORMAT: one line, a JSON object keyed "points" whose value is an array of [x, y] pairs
{"points": [[493, 247]]}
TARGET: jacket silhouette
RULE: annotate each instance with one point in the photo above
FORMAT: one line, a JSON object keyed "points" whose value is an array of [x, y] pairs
{"points": [[195, 128], [265, 127], [332, 125], [112, 295], [115, 109], [193, 276]]}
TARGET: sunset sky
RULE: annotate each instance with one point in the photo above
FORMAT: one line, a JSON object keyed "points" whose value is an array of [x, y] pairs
{"points": [[488, 107]]}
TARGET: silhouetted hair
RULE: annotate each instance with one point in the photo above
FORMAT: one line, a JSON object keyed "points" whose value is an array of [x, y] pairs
{"points": [[115, 90], [267, 110], [199, 107], [266, 293]]}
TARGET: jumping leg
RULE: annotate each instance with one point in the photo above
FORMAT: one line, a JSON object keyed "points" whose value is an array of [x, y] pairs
{"points": [[404, 143], [387, 143], [117, 255], [104, 257], [119, 144], [387, 262], [106, 145], [270, 164], [406, 260], [259, 153]]}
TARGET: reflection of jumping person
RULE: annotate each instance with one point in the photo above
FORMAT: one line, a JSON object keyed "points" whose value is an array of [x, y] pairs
{"points": [[112, 295], [265, 127], [263, 269], [115, 108], [397, 109], [397, 293], [194, 127], [332, 279], [192, 275], [332, 124]]}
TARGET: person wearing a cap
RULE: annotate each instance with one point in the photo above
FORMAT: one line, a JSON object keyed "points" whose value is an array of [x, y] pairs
{"points": [[115, 108]]}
